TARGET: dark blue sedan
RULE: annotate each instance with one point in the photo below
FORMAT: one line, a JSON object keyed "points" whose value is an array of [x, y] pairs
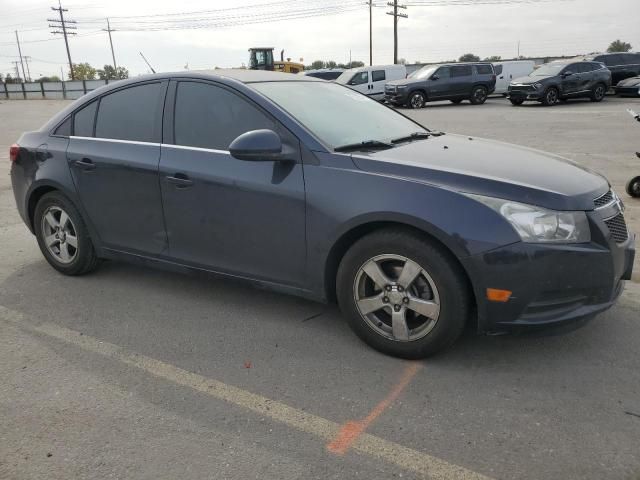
{"points": [[310, 188]]}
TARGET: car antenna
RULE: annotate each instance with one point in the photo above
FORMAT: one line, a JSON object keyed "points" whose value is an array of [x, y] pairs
{"points": [[148, 64]]}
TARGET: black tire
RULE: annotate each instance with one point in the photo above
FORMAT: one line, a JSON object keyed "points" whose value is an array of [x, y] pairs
{"points": [[598, 92], [416, 100], [479, 95], [448, 278], [551, 97], [516, 101], [633, 187], [84, 258], [456, 101]]}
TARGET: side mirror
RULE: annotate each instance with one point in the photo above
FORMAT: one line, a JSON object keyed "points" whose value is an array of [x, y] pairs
{"points": [[257, 146], [435, 77], [568, 73]]}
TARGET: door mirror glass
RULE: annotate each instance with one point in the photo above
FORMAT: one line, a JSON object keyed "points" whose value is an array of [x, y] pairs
{"points": [[257, 145], [567, 73], [435, 77]]}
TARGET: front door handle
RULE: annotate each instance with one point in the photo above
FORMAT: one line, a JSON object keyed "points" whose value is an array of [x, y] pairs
{"points": [[85, 164], [180, 180]]}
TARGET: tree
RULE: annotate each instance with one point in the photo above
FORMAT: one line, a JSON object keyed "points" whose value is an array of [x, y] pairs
{"points": [[493, 58], [52, 78], [331, 64], [402, 61], [317, 65], [619, 46], [110, 73], [83, 71], [469, 57]]}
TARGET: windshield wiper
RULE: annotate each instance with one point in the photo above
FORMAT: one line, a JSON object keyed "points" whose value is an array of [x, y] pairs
{"points": [[416, 136], [366, 145]]}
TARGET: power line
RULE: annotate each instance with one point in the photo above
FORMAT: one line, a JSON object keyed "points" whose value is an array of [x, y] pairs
{"points": [[62, 23]]}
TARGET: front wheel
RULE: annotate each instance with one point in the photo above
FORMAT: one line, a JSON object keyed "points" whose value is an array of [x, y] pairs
{"points": [[417, 100], [598, 92], [479, 95], [550, 97], [402, 294], [62, 235], [633, 187]]}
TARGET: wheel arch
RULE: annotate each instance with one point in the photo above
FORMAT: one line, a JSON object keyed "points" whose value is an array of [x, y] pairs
{"points": [[351, 236]]}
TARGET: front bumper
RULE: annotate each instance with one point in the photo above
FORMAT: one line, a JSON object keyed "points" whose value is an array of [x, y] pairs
{"points": [[628, 91], [552, 285], [525, 94], [396, 98]]}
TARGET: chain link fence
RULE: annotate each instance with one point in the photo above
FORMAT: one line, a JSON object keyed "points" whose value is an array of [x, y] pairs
{"points": [[49, 90]]}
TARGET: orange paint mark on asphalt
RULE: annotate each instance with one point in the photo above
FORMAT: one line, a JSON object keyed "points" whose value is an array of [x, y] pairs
{"points": [[350, 431]]}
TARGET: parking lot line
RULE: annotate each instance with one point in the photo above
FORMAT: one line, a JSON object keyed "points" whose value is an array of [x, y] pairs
{"points": [[421, 463], [350, 431]]}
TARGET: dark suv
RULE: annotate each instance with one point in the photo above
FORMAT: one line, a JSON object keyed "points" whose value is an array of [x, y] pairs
{"points": [[622, 65], [455, 82], [560, 81]]}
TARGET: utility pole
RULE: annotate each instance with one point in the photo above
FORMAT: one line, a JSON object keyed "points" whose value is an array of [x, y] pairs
{"points": [[113, 55], [396, 14], [370, 32], [63, 24], [518, 48], [20, 53], [15, 65], [26, 61]]}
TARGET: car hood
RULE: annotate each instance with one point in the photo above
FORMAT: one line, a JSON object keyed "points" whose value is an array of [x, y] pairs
{"points": [[491, 168], [531, 80], [629, 82], [403, 81]]}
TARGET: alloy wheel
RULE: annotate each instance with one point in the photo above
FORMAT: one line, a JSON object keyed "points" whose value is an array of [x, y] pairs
{"points": [[480, 95], [396, 297], [552, 96], [599, 92], [417, 101], [59, 234]]}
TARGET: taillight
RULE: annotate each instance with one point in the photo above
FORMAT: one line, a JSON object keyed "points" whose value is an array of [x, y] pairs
{"points": [[14, 150]]}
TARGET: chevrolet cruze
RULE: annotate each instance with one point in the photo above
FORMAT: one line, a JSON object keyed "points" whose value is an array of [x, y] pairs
{"points": [[310, 188]]}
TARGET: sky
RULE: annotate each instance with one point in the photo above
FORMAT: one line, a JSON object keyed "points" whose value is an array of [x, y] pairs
{"points": [[221, 32]]}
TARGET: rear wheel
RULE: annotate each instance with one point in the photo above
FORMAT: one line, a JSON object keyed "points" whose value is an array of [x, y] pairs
{"points": [[62, 235], [479, 95], [633, 187], [550, 97], [598, 92], [402, 294], [417, 100], [516, 101]]}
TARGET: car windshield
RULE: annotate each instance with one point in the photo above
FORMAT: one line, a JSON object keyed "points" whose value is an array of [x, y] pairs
{"points": [[345, 76], [337, 115], [548, 70], [424, 72]]}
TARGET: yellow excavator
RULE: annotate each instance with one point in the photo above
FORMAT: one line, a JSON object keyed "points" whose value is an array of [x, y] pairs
{"points": [[261, 58]]}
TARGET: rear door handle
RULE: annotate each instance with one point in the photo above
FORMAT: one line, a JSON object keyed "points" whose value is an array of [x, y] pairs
{"points": [[180, 180], [85, 164]]}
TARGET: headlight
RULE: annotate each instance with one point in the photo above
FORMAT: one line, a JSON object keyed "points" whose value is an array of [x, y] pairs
{"points": [[540, 225], [537, 85], [401, 87]]}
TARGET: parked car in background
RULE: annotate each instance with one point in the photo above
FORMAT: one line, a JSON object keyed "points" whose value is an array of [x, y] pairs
{"points": [[372, 79], [622, 65], [560, 81], [507, 71], [325, 73], [252, 175], [455, 82], [629, 87]]}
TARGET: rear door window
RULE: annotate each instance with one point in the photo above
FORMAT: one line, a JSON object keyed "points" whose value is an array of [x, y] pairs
{"points": [[486, 70], [613, 60], [378, 75], [631, 58], [208, 116], [131, 114], [84, 119], [461, 71]]}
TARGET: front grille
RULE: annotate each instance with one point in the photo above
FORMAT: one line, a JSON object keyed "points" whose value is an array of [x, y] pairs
{"points": [[604, 199], [618, 228], [520, 88]]}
